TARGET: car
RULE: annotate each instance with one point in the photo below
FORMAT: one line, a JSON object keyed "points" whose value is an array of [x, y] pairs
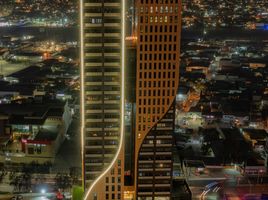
{"points": [[17, 197], [68, 137], [67, 195]]}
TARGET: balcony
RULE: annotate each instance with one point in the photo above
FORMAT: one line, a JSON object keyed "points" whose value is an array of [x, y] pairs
{"points": [[90, 74], [93, 111], [163, 185], [93, 35], [162, 177], [164, 137], [92, 4], [112, 44], [145, 161], [93, 155], [163, 161], [145, 193], [163, 153], [93, 44], [146, 170], [162, 169], [162, 193], [147, 153], [93, 146], [163, 145], [93, 92], [110, 146], [111, 129], [147, 145], [87, 14], [146, 185], [92, 164], [112, 5], [93, 129], [90, 25]]}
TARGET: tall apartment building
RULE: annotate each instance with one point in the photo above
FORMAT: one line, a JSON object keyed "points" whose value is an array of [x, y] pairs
{"points": [[102, 98], [158, 56]]}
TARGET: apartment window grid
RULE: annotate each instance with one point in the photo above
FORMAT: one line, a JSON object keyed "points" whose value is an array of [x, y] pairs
{"points": [[159, 55], [102, 42], [158, 31], [155, 160], [113, 183]]}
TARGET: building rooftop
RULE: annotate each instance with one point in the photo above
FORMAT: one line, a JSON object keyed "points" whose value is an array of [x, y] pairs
{"points": [[32, 113], [47, 134], [256, 134]]}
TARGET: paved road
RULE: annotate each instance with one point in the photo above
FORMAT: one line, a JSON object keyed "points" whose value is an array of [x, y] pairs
{"points": [[216, 192], [30, 196], [69, 154]]}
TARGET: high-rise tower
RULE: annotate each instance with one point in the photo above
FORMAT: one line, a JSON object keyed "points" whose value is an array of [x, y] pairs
{"points": [[102, 97], [158, 56]]}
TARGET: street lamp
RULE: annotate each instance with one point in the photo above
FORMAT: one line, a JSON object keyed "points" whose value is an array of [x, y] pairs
{"points": [[43, 191]]}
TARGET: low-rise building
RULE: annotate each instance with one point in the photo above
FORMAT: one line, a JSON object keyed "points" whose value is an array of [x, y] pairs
{"points": [[33, 132]]}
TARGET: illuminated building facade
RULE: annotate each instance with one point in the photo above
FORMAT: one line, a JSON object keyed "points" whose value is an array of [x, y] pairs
{"points": [[102, 98], [158, 55]]}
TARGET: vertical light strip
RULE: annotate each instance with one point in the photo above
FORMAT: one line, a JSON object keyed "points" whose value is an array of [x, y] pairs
{"points": [[82, 87], [122, 102]]}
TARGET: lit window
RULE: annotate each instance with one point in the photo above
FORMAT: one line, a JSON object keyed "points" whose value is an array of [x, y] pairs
{"points": [[95, 196], [151, 9], [161, 9], [95, 20], [166, 19], [166, 9]]}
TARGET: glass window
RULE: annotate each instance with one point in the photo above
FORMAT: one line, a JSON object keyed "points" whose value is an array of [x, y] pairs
{"points": [[161, 9], [166, 9], [151, 9]]}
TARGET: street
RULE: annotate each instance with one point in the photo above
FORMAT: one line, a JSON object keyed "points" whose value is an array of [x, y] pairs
{"points": [[69, 155]]}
